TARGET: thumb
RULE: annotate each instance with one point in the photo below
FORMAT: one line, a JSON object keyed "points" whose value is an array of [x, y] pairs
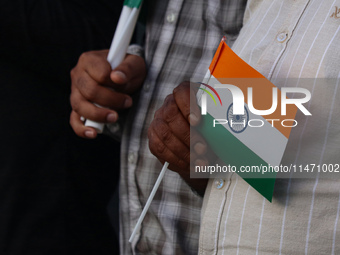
{"points": [[127, 70], [119, 77], [130, 73]]}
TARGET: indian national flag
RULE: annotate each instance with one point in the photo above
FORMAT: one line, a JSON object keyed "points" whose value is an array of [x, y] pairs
{"points": [[244, 139], [120, 42]]}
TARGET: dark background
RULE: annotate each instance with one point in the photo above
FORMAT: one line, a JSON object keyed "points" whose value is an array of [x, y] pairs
{"points": [[54, 186]]}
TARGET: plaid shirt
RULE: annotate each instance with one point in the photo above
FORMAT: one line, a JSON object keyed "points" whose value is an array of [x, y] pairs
{"points": [[181, 38]]}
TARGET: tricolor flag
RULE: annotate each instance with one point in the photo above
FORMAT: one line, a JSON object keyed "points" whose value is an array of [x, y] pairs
{"points": [[245, 139], [120, 42], [124, 31]]}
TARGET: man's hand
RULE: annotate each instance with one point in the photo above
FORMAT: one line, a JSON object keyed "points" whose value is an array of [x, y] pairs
{"points": [[93, 81], [169, 135]]}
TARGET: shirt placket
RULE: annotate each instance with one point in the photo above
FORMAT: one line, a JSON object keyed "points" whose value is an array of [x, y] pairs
{"points": [[212, 219], [273, 54], [147, 93]]}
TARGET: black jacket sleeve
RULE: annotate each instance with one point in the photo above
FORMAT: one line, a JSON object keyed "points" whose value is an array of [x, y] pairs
{"points": [[48, 36]]}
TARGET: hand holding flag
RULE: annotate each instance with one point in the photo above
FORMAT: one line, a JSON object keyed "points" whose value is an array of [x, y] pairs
{"points": [[121, 40], [170, 134], [93, 81], [169, 140]]}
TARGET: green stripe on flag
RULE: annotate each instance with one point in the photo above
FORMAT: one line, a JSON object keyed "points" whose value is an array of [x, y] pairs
{"points": [[234, 153], [133, 3]]}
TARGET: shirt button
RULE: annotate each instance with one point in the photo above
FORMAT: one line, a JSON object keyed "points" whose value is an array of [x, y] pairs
{"points": [[146, 87], [171, 17], [219, 183], [281, 37], [132, 158]]}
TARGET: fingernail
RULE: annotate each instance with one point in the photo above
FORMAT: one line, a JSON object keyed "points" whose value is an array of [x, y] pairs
{"points": [[201, 162], [121, 75], [193, 119], [89, 134], [128, 102], [199, 148], [111, 117]]}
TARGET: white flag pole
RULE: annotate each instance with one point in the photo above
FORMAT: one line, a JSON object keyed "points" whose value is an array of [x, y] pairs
{"points": [[148, 202], [120, 43]]}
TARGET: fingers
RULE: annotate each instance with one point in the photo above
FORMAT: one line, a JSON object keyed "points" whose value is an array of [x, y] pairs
{"points": [[129, 75], [91, 83], [79, 128], [94, 63], [168, 151], [170, 135], [91, 91], [90, 111], [170, 114], [167, 147], [185, 97]]}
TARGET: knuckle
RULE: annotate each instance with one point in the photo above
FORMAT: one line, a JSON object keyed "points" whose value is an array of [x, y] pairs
{"points": [[183, 86], [86, 55], [157, 148], [80, 82], [159, 135], [177, 90], [169, 98], [170, 115], [163, 131], [74, 103], [152, 147], [103, 75], [160, 149], [158, 113], [83, 57], [170, 110], [73, 72], [89, 92], [151, 133], [128, 65]]}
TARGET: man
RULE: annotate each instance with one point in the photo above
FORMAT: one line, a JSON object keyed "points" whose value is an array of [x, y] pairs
{"points": [[181, 37], [286, 41]]}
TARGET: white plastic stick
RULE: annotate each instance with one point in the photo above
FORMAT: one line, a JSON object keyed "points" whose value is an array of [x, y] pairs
{"points": [[124, 16], [147, 205], [118, 51], [120, 43]]}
